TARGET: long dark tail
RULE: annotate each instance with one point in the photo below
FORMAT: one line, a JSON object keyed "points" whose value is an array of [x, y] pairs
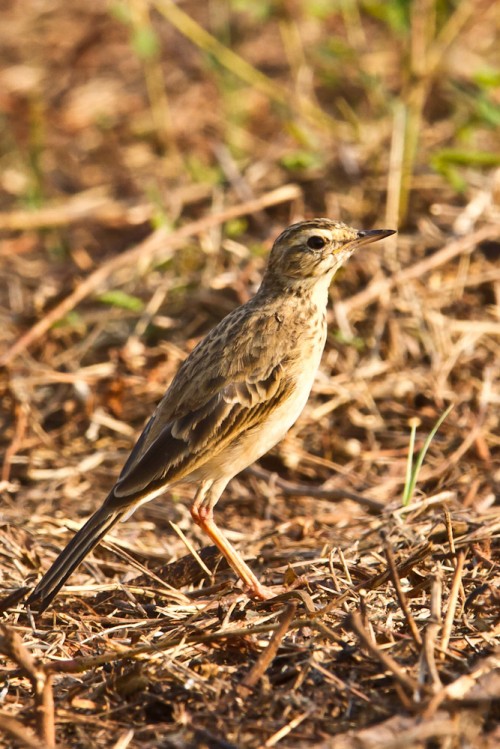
{"points": [[70, 557]]}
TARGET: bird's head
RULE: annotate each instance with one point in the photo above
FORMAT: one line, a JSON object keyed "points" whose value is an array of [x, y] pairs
{"points": [[310, 250]]}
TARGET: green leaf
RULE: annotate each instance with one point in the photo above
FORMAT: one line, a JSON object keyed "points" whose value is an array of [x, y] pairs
{"points": [[145, 42], [487, 78], [118, 298], [235, 227], [300, 160]]}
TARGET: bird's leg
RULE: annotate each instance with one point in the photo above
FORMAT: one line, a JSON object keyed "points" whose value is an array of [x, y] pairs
{"points": [[202, 514]]}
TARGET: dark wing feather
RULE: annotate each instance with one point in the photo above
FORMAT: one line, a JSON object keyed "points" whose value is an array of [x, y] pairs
{"points": [[199, 415]]}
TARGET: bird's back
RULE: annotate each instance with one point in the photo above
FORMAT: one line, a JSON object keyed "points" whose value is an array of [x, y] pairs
{"points": [[249, 366]]}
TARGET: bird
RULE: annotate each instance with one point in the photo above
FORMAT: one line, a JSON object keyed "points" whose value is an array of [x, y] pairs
{"points": [[233, 398]]}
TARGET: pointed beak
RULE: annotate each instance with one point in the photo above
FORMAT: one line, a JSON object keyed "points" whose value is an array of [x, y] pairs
{"points": [[367, 236]]}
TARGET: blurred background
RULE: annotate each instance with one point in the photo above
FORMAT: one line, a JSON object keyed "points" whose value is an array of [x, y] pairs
{"points": [[124, 119], [150, 151]]}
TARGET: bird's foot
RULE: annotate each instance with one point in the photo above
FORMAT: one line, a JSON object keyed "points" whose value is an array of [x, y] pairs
{"points": [[261, 592]]}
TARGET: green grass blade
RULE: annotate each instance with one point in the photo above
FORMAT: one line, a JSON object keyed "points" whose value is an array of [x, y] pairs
{"points": [[413, 473], [409, 463]]}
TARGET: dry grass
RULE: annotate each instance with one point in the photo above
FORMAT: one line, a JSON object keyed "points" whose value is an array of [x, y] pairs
{"points": [[141, 185]]}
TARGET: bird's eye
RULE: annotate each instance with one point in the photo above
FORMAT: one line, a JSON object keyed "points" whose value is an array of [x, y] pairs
{"points": [[316, 242]]}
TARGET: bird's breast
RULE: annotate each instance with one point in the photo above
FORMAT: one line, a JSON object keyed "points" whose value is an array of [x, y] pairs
{"points": [[299, 369]]}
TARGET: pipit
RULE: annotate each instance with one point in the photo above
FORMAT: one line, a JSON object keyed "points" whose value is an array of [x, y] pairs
{"points": [[234, 397]]}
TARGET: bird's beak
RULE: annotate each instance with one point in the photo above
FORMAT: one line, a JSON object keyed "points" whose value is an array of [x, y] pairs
{"points": [[367, 236]]}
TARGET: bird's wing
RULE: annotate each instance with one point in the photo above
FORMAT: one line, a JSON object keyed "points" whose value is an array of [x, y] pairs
{"points": [[231, 381]]}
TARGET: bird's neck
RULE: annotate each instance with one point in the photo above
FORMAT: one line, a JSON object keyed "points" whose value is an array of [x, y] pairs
{"points": [[310, 291]]}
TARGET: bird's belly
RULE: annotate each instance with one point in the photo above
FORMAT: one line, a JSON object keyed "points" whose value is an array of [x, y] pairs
{"points": [[257, 441]]}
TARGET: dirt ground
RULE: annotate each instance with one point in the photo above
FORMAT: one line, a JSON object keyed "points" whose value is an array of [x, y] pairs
{"points": [[149, 154]]}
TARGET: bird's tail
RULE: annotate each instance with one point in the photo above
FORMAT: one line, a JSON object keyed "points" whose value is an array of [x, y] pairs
{"points": [[70, 557]]}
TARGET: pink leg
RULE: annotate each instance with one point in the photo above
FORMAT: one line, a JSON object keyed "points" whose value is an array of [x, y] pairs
{"points": [[202, 514]]}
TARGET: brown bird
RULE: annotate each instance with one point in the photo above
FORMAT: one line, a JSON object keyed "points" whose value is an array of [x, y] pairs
{"points": [[233, 398]]}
